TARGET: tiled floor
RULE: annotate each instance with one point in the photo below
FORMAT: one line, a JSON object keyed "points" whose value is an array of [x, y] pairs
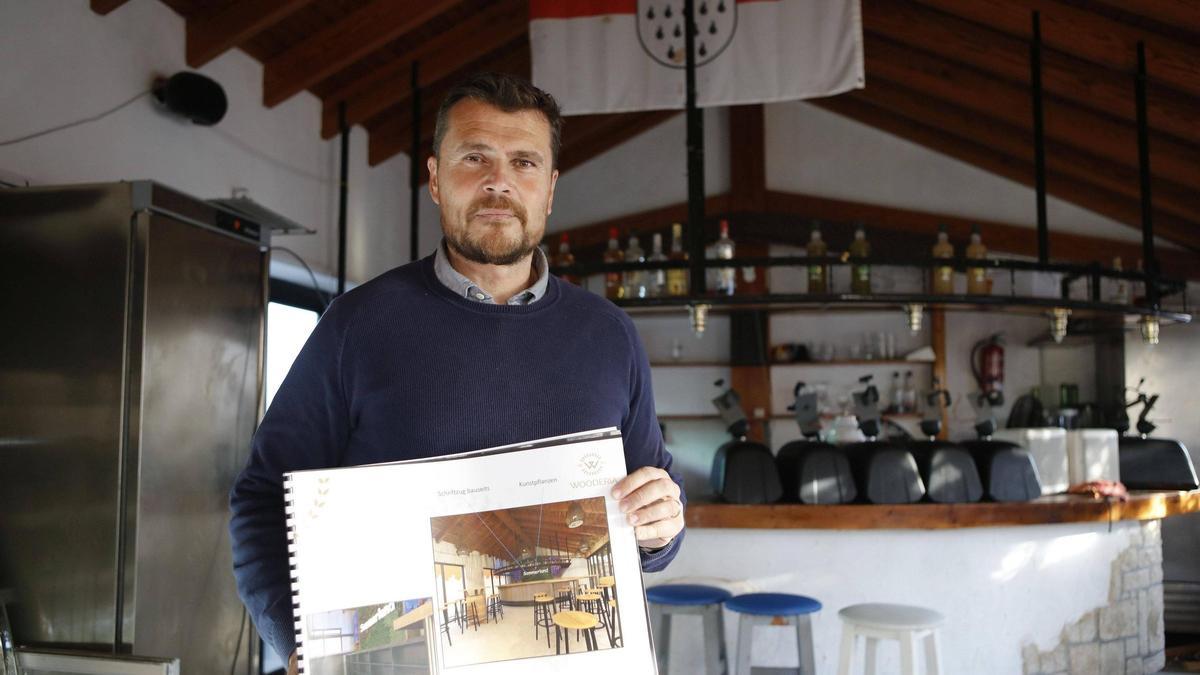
{"points": [[509, 638]]}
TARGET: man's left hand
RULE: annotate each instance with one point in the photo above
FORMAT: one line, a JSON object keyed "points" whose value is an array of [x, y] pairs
{"points": [[650, 500]]}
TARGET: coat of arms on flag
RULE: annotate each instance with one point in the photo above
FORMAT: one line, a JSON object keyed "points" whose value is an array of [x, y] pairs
{"points": [[598, 56], [660, 29]]}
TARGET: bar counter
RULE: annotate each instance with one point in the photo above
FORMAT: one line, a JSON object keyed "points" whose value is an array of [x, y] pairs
{"points": [[522, 592], [1020, 583], [1142, 505]]}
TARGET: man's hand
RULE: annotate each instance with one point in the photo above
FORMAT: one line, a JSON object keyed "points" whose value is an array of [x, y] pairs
{"points": [[293, 667], [651, 500]]}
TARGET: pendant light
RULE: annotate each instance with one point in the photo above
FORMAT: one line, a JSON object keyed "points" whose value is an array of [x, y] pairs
{"points": [[574, 515]]}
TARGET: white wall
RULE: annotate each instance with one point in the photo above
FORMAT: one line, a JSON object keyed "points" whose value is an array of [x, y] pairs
{"points": [[64, 63]]}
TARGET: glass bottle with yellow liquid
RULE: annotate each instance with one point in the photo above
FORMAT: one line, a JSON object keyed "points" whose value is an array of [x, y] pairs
{"points": [[677, 277], [818, 273], [614, 289], [978, 282], [860, 272], [943, 275]]}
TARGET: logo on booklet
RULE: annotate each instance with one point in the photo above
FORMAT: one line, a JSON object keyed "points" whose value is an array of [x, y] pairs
{"points": [[591, 464]]}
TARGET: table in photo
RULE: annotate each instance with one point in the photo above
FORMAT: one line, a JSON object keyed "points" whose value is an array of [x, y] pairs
{"points": [[566, 621]]}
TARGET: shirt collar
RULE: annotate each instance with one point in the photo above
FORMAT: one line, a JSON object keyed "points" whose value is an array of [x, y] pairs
{"points": [[464, 287]]}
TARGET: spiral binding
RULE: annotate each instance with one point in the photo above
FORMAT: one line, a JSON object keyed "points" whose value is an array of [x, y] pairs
{"points": [[289, 511]]}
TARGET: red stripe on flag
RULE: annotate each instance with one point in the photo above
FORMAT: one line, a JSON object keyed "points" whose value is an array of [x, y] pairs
{"points": [[572, 9]]}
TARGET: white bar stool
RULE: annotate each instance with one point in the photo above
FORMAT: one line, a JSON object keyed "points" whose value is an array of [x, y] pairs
{"points": [[904, 623]]}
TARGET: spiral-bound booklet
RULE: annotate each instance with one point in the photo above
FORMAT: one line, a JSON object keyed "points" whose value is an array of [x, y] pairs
{"points": [[499, 561]]}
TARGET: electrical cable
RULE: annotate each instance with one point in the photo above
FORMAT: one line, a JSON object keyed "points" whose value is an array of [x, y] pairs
{"points": [[68, 125], [324, 302]]}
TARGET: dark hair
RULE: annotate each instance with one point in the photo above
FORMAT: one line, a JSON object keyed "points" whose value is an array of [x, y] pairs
{"points": [[508, 93]]}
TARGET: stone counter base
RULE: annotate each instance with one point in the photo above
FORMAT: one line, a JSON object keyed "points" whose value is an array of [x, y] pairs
{"points": [[1124, 637]]}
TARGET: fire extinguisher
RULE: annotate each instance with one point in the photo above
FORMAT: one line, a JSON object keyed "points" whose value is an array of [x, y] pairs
{"points": [[987, 364]]}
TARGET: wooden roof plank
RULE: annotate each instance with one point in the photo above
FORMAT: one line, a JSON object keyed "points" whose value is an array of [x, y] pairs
{"points": [[1075, 191], [1084, 129], [1088, 35], [364, 30], [211, 34], [1007, 56], [1017, 141], [440, 57], [103, 7]]}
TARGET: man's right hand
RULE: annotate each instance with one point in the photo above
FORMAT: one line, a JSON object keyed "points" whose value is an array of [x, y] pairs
{"points": [[293, 667]]}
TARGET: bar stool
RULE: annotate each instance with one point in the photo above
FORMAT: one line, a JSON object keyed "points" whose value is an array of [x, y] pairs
{"points": [[904, 623], [670, 599], [760, 609], [594, 604], [495, 608], [542, 606]]}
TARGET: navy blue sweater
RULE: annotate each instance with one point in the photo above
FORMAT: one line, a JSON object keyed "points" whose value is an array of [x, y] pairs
{"points": [[401, 368]]}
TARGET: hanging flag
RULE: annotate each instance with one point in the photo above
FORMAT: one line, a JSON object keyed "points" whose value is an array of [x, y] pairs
{"points": [[598, 56]]}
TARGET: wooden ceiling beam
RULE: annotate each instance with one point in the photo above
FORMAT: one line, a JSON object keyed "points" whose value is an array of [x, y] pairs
{"points": [[440, 57], [1006, 56], [1181, 15], [316, 57], [1084, 194], [1083, 129], [1017, 142], [747, 157], [392, 134], [213, 33], [519, 535], [103, 7], [1088, 35]]}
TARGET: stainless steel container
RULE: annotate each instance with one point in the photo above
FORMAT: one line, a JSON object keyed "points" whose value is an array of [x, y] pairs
{"points": [[130, 370]]}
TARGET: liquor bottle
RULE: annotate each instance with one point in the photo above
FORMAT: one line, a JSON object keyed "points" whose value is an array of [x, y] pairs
{"points": [[1120, 287], [977, 277], [565, 259], [818, 274], [658, 278], [896, 395], [635, 280], [943, 275], [677, 278], [613, 288], [723, 250], [909, 394], [860, 273]]}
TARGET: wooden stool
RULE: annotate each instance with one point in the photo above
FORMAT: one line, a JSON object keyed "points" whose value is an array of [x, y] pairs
{"points": [[904, 623], [542, 606], [580, 621], [760, 609], [706, 601]]}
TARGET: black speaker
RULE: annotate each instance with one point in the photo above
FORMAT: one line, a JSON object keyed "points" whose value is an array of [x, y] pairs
{"points": [[194, 96]]}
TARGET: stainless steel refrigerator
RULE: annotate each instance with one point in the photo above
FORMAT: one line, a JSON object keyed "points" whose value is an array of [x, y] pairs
{"points": [[131, 351]]}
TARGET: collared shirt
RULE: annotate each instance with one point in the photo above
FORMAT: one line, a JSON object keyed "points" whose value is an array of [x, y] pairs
{"points": [[452, 279]]}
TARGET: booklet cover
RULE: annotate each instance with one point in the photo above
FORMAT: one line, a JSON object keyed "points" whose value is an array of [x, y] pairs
{"points": [[507, 560]]}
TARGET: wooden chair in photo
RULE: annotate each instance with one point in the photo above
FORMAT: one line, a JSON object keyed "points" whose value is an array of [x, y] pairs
{"points": [[495, 608]]}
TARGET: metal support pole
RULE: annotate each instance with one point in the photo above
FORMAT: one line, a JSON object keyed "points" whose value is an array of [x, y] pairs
{"points": [[1039, 139], [343, 179], [1149, 261], [414, 168], [695, 156]]}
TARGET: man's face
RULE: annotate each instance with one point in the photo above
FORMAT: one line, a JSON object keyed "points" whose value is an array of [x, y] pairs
{"points": [[494, 182]]}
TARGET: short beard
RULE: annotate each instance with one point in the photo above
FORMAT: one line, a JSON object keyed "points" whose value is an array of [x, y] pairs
{"points": [[473, 250]]}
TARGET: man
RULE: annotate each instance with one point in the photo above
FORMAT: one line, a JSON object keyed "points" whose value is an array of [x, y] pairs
{"points": [[472, 347]]}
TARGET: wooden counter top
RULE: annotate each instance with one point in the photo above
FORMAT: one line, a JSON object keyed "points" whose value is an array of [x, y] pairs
{"points": [[556, 580], [1142, 505]]}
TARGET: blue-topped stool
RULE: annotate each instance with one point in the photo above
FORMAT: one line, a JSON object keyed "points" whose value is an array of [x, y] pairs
{"points": [[760, 609], [670, 599]]}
